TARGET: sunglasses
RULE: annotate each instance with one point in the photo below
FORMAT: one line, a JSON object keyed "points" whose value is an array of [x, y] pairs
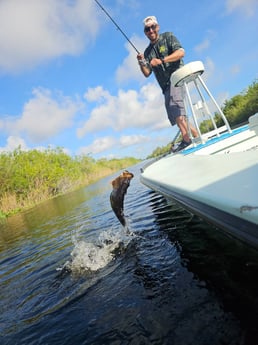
{"points": [[149, 28]]}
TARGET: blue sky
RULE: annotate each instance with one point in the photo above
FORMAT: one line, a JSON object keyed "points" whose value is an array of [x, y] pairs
{"points": [[69, 78]]}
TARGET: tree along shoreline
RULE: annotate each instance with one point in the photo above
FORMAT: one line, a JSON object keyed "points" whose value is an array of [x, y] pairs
{"points": [[28, 178]]}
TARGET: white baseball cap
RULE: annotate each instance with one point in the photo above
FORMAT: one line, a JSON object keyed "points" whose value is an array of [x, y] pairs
{"points": [[150, 20]]}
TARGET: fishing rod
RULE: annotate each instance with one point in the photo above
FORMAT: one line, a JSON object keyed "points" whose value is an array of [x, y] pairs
{"points": [[103, 9]]}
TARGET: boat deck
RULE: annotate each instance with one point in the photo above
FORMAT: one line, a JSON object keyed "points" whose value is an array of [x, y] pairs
{"points": [[214, 140]]}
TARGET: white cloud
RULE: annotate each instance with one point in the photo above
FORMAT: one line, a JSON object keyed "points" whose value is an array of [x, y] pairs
{"points": [[129, 109], [13, 143], [108, 142], [96, 94], [129, 140], [44, 116], [210, 69], [247, 7], [129, 69], [205, 44], [33, 31], [98, 145]]}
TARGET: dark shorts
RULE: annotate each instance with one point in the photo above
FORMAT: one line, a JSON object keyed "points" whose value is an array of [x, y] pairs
{"points": [[174, 103]]}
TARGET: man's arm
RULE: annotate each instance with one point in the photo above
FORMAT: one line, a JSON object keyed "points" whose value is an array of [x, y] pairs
{"points": [[175, 56], [145, 68]]}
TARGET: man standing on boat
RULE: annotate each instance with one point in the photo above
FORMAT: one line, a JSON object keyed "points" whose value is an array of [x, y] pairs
{"points": [[164, 56]]}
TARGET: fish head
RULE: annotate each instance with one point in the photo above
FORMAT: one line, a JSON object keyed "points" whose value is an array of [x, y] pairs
{"points": [[124, 176]]}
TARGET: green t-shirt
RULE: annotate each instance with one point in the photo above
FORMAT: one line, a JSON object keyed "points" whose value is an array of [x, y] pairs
{"points": [[166, 45]]}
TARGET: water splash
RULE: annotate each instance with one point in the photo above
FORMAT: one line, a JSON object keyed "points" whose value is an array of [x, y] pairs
{"points": [[90, 257]]}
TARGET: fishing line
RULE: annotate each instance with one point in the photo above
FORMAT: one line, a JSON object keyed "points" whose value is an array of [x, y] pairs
{"points": [[122, 32]]}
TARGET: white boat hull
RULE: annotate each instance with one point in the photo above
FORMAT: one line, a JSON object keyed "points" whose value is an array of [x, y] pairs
{"points": [[216, 181]]}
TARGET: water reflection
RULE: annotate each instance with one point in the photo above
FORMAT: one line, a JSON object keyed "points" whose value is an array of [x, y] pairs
{"points": [[24, 224], [225, 265]]}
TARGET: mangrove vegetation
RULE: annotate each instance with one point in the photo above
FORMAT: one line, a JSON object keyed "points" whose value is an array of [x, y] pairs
{"points": [[30, 177]]}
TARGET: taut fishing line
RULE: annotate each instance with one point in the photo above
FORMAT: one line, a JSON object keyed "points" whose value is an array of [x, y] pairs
{"points": [[118, 27]]}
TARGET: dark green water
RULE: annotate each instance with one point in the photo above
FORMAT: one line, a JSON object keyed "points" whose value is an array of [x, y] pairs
{"points": [[70, 274]]}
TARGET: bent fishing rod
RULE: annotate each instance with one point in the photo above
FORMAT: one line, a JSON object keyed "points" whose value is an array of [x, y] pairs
{"points": [[118, 27]]}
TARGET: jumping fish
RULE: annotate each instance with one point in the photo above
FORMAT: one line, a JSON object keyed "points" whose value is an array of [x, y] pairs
{"points": [[120, 185]]}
